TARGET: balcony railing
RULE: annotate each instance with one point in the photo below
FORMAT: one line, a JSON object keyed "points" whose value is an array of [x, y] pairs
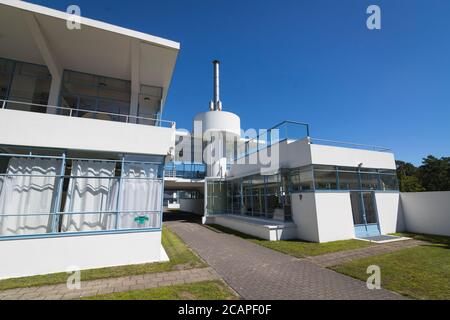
{"points": [[84, 113], [286, 130], [348, 144], [185, 170]]}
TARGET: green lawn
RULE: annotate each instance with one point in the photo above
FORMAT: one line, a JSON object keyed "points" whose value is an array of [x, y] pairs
{"points": [[298, 248], [425, 237], [181, 257], [421, 272], [208, 290]]}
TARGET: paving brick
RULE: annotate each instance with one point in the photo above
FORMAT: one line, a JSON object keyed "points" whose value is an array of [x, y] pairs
{"points": [[257, 273]]}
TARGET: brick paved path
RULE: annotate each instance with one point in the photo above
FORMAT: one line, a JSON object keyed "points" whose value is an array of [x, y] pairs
{"points": [[335, 258], [256, 272], [110, 285]]}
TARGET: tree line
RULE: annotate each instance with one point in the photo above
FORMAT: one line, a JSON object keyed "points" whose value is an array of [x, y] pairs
{"points": [[432, 175]]}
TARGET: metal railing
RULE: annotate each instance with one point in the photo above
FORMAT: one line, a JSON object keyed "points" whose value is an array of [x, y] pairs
{"points": [[185, 170], [115, 218], [286, 130], [86, 113], [348, 144]]}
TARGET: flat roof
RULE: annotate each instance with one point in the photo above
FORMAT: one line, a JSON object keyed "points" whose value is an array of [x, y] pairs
{"points": [[92, 23]]}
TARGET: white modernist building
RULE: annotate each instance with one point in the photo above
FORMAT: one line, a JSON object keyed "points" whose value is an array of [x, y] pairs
{"points": [[87, 164], [82, 142]]}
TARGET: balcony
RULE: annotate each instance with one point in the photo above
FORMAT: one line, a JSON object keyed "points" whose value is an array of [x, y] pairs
{"points": [[37, 125]]}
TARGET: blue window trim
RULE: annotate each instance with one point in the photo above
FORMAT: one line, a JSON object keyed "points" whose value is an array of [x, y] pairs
{"points": [[76, 234], [58, 198]]}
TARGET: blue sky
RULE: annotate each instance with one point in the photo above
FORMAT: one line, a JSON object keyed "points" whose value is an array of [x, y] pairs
{"points": [[312, 61]]}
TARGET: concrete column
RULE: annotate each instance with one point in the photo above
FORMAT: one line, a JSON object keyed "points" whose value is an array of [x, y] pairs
{"points": [[135, 48], [48, 56]]}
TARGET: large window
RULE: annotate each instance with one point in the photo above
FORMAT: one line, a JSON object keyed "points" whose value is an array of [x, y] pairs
{"points": [[325, 177], [86, 92], [24, 82], [257, 196], [348, 178], [49, 193], [301, 179], [388, 180]]}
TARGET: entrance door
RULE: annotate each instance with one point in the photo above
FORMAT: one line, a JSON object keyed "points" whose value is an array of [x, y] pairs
{"points": [[365, 216]]}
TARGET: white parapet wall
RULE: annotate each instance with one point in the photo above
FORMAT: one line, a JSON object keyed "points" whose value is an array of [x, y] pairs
{"points": [[29, 257], [390, 217], [349, 157], [263, 229], [32, 129], [323, 216], [426, 212], [334, 216]]}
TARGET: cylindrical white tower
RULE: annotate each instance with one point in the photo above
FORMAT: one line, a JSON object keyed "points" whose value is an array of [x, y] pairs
{"points": [[219, 130]]}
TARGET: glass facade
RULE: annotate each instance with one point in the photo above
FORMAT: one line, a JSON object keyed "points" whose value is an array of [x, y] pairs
{"points": [[266, 196], [24, 82], [257, 196], [86, 92]]}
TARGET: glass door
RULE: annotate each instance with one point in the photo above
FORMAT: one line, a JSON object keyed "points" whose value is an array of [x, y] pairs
{"points": [[365, 216]]}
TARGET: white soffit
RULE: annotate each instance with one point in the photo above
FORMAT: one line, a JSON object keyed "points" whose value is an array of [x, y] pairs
{"points": [[98, 47]]}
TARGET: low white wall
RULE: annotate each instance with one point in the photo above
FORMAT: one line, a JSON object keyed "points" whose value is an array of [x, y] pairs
{"points": [[270, 232], [54, 131], [28, 257], [334, 216], [389, 214], [339, 156], [192, 205], [426, 212], [304, 216]]}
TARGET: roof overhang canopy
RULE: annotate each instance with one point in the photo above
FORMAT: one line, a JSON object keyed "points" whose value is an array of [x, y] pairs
{"points": [[97, 48]]}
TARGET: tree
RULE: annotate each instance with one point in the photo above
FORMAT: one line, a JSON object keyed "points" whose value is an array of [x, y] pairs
{"points": [[434, 173], [407, 179]]}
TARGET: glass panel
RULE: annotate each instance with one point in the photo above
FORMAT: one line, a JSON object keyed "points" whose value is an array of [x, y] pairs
{"points": [[98, 93], [369, 207], [217, 197], [306, 179], [369, 181], [388, 180], [355, 198], [4, 85], [348, 178], [325, 177]]}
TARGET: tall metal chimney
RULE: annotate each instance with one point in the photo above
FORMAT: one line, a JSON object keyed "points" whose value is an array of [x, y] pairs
{"points": [[216, 97]]}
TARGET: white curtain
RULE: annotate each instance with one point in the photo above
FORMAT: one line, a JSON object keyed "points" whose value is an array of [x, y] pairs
{"points": [[31, 191], [88, 192], [142, 194]]}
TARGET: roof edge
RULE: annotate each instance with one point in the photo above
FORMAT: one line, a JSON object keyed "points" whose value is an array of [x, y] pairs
{"points": [[34, 8]]}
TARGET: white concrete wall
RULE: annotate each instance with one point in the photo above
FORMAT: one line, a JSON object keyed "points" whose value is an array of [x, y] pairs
{"points": [[304, 216], [389, 213], [28, 257], [286, 154], [192, 205], [339, 156], [426, 212], [334, 216], [54, 131], [269, 231]]}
